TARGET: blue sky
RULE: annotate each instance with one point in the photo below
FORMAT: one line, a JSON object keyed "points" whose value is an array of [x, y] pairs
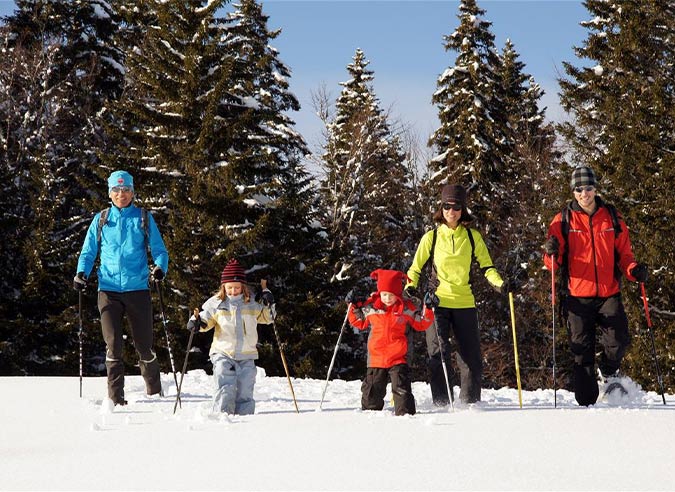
{"points": [[404, 42]]}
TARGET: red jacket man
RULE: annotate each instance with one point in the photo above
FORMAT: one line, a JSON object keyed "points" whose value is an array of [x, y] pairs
{"points": [[594, 250]]}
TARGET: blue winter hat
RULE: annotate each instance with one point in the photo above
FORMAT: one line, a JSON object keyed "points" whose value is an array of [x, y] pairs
{"points": [[120, 178]]}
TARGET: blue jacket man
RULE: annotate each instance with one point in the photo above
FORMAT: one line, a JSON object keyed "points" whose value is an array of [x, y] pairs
{"points": [[123, 281]]}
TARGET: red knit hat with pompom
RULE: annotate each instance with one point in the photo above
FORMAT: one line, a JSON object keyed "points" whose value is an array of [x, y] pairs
{"points": [[390, 281], [233, 272]]}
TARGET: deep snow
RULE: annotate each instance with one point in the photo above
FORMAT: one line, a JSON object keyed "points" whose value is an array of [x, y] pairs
{"points": [[50, 439]]}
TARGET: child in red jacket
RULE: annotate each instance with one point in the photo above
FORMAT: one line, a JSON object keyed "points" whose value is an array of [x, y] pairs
{"points": [[388, 316]]}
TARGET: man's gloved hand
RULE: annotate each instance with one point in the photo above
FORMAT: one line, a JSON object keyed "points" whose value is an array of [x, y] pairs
{"points": [[431, 300], [157, 274], [79, 281], [640, 272], [552, 246], [411, 292], [266, 298]]}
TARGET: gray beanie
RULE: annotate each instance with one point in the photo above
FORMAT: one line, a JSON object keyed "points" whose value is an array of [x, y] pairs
{"points": [[583, 176]]}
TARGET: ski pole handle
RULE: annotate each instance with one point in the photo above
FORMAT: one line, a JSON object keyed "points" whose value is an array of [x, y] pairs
{"points": [[644, 302]]}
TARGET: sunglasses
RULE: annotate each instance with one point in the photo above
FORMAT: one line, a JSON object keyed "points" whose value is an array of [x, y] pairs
{"points": [[588, 188], [454, 206], [121, 189]]}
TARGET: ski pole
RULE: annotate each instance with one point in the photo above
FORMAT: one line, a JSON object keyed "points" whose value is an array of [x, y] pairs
{"points": [[337, 346], [283, 361], [263, 285], [166, 334], [182, 374], [555, 388], [79, 315], [515, 349], [445, 368], [651, 334]]}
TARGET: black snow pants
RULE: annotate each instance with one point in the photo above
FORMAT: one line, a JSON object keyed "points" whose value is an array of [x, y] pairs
{"points": [[584, 316], [463, 323], [374, 388], [137, 305]]}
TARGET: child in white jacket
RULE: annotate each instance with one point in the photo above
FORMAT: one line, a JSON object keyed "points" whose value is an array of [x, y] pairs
{"points": [[235, 317]]}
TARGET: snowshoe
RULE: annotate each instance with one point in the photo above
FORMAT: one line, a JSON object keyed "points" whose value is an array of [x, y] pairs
{"points": [[615, 386]]}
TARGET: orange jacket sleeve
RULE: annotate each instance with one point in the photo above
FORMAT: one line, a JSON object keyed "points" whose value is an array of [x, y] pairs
{"points": [[422, 321], [357, 319], [555, 229]]}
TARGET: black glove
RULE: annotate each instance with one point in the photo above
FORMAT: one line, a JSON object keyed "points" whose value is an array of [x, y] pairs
{"points": [[195, 324], [640, 272], [431, 300], [79, 281], [353, 298], [266, 298], [509, 285], [411, 292], [552, 246], [157, 274]]}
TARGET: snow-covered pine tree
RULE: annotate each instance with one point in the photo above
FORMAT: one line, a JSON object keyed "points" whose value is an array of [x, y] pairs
{"points": [[621, 103], [366, 197], [75, 71], [534, 177], [170, 130], [273, 226], [366, 192], [469, 137], [203, 126]]}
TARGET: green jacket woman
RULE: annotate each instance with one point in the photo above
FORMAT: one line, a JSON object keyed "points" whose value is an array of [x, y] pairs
{"points": [[454, 247]]}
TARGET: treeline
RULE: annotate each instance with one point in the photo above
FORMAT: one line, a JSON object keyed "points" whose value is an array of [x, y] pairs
{"points": [[193, 100]]}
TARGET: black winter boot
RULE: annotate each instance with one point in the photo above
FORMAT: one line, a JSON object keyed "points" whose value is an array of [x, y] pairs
{"points": [[585, 385]]}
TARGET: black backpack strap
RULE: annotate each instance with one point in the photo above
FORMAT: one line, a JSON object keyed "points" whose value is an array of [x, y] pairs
{"points": [[617, 230], [431, 270], [102, 220], [615, 218], [145, 227]]}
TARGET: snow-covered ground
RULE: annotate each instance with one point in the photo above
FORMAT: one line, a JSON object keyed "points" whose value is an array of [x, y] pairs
{"points": [[50, 439]]}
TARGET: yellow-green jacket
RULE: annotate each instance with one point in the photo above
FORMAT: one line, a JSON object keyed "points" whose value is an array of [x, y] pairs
{"points": [[452, 258]]}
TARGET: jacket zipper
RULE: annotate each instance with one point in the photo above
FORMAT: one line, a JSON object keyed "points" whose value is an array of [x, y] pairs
{"points": [[595, 263]]}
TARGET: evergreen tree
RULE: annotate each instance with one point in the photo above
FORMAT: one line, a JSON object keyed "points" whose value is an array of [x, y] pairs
{"points": [[366, 190], [275, 206], [469, 137], [202, 125], [366, 195], [51, 151], [622, 126]]}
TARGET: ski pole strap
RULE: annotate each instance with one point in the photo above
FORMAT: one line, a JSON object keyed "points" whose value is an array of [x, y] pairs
{"points": [[644, 301]]}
